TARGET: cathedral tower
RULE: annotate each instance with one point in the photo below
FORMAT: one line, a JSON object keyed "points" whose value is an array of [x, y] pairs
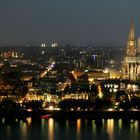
{"points": [[131, 43], [131, 66]]}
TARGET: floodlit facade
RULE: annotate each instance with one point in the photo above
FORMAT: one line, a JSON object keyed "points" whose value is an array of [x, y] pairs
{"points": [[131, 63]]}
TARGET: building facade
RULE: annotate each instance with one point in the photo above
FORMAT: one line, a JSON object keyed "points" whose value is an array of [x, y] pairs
{"points": [[131, 62]]}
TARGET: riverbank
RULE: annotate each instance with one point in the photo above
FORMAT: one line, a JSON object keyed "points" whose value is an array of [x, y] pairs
{"points": [[71, 114], [97, 114]]}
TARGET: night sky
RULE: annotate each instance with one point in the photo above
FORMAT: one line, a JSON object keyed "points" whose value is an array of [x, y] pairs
{"points": [[68, 21]]}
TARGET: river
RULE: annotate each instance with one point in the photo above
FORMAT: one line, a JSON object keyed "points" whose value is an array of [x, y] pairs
{"points": [[72, 129]]}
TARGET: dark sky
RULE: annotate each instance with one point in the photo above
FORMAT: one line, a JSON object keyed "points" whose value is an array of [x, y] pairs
{"points": [[68, 21]]}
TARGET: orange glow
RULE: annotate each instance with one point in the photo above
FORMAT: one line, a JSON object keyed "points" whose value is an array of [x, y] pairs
{"points": [[29, 120], [110, 127], [100, 92], [51, 129], [78, 128]]}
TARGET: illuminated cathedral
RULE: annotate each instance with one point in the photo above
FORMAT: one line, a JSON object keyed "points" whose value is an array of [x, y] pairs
{"points": [[131, 62]]}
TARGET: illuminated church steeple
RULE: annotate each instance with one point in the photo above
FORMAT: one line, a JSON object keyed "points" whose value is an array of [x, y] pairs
{"points": [[131, 43], [131, 63]]}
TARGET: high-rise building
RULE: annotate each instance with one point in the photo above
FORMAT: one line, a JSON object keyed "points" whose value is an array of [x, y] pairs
{"points": [[97, 60], [131, 62]]}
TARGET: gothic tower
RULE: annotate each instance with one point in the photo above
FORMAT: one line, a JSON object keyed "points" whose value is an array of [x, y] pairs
{"points": [[131, 60], [131, 43]]}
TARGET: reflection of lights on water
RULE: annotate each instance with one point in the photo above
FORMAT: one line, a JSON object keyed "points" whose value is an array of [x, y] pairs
{"points": [[78, 124], [103, 122], [67, 124], [42, 122], [78, 128], [94, 127], [136, 127], [134, 124], [86, 123], [8, 130], [24, 129], [51, 129], [29, 120], [3, 120], [110, 127], [44, 127], [67, 128], [21, 122], [120, 124]]}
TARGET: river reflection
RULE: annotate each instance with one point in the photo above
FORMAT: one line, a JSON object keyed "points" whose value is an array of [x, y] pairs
{"points": [[69, 129]]}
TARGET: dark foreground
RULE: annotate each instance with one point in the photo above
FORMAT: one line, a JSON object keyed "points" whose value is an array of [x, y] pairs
{"points": [[70, 114]]}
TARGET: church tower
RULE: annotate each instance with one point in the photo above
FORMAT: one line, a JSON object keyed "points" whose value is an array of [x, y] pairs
{"points": [[131, 60], [131, 43]]}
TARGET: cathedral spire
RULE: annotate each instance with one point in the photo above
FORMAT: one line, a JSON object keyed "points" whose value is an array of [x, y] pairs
{"points": [[132, 32], [131, 43]]}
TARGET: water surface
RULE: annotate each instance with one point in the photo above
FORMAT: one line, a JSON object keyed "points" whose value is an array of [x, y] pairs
{"points": [[72, 129]]}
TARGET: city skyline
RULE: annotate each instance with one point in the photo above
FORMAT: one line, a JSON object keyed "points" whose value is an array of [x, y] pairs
{"points": [[69, 69], [72, 21]]}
